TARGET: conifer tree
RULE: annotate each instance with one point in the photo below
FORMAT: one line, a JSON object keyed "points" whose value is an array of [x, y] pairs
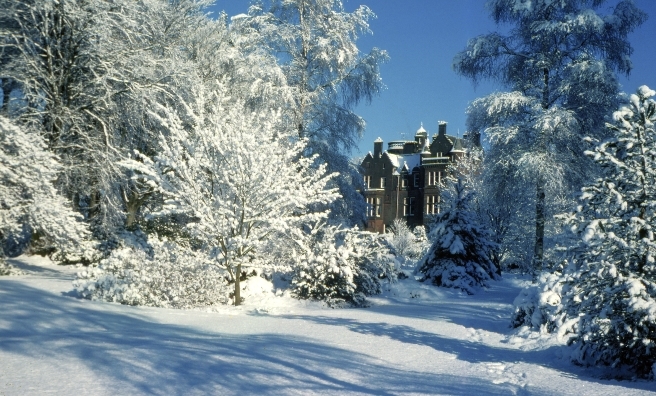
{"points": [[460, 254], [606, 298]]}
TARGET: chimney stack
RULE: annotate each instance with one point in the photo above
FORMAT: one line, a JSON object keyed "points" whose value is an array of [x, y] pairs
{"points": [[378, 147], [442, 128]]}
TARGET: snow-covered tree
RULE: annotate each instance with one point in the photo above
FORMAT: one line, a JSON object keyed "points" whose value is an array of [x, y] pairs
{"points": [[460, 254], [606, 299], [558, 60], [341, 266], [29, 199], [316, 43], [238, 181]]}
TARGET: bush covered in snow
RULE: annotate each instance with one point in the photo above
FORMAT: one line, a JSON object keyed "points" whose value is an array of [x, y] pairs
{"points": [[606, 299], [408, 245], [160, 273], [8, 269], [342, 266], [29, 200], [460, 254]]}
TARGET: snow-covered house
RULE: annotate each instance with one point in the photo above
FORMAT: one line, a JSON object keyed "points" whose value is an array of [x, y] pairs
{"points": [[402, 181]]}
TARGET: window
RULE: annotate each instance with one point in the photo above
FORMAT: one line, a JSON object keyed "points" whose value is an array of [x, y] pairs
{"points": [[383, 182], [434, 178], [416, 179], [431, 204], [367, 181], [404, 183], [373, 207], [409, 206]]}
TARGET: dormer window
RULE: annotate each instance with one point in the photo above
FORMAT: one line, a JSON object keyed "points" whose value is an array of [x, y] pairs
{"points": [[416, 179]]}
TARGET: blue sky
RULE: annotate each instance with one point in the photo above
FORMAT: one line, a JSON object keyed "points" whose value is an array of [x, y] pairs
{"points": [[421, 37]]}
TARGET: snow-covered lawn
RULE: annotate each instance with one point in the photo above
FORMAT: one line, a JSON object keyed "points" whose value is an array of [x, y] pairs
{"points": [[417, 339]]}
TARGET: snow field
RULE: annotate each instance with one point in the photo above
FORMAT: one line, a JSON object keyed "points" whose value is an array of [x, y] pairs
{"points": [[414, 339]]}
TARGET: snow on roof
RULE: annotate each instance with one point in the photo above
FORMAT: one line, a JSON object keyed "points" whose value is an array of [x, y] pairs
{"points": [[394, 159], [421, 129], [411, 161], [379, 140]]}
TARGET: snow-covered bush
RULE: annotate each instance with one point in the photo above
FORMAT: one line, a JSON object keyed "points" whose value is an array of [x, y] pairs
{"points": [[160, 273], [8, 269], [541, 306], [342, 266], [29, 199], [408, 245], [607, 298], [460, 254]]}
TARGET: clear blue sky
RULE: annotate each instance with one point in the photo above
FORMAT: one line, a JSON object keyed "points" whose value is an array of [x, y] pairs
{"points": [[422, 36]]}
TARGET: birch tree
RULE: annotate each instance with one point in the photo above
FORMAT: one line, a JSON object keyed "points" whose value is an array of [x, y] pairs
{"points": [[559, 61], [316, 42]]}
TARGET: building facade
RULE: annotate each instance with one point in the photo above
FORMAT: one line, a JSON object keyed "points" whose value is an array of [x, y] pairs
{"points": [[402, 181]]}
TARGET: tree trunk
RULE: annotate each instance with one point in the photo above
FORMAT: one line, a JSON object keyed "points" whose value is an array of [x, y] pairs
{"points": [[238, 285], [7, 86], [538, 256]]}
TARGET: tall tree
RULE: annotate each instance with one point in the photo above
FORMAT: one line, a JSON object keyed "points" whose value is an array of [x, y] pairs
{"points": [[316, 42], [558, 60]]}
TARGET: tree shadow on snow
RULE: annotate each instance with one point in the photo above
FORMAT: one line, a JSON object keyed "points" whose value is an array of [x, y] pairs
{"points": [[488, 310], [136, 355], [469, 351]]}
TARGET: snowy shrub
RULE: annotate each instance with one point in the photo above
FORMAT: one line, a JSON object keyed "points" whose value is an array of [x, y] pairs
{"points": [[163, 274], [460, 254], [607, 297], [8, 269], [408, 245], [541, 307], [28, 199], [342, 266]]}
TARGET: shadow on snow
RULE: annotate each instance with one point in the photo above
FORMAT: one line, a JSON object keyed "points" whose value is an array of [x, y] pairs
{"points": [[156, 358]]}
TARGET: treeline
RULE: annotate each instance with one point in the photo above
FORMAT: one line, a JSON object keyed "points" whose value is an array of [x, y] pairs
{"points": [[187, 145]]}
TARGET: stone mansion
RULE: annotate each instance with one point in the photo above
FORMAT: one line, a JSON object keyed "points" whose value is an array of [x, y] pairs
{"points": [[402, 181]]}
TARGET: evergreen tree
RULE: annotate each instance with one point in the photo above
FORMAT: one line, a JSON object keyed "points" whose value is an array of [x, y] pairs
{"points": [[460, 254], [606, 299]]}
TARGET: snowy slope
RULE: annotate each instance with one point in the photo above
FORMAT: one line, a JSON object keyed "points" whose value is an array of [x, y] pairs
{"points": [[416, 339]]}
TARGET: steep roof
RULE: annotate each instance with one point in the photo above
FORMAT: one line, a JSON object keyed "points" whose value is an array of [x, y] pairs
{"points": [[457, 146]]}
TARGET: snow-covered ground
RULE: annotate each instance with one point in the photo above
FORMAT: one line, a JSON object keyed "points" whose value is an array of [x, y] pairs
{"points": [[417, 339]]}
